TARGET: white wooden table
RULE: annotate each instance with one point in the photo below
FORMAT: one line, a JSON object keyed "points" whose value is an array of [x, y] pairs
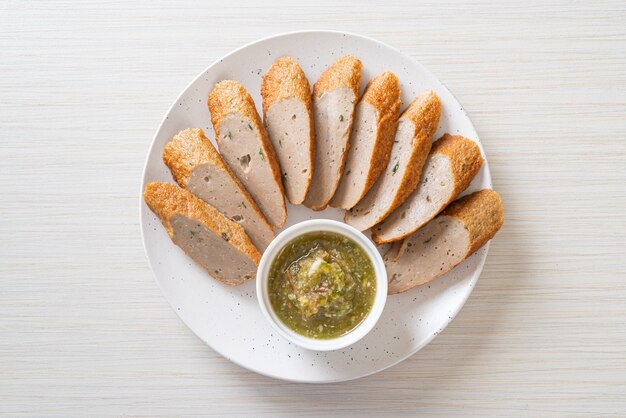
{"points": [[84, 329]]}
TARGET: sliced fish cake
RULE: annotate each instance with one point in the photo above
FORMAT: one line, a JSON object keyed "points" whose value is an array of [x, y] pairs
{"points": [[335, 95], [444, 242], [246, 148], [449, 169], [217, 244], [412, 142], [373, 130], [197, 166], [288, 118]]}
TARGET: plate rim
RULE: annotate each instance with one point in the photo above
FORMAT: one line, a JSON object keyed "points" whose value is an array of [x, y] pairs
{"points": [[487, 176]]}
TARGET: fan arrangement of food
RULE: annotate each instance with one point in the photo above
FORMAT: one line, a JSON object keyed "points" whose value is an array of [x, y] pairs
{"points": [[326, 148]]}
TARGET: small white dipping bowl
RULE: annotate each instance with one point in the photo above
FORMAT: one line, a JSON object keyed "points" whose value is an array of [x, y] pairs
{"points": [[318, 225]]}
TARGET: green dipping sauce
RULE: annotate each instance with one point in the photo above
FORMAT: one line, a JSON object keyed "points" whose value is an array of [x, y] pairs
{"points": [[322, 285]]}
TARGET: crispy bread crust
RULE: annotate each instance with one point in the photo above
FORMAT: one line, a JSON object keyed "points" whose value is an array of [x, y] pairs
{"points": [[285, 79], [166, 200], [189, 149], [228, 97], [482, 214], [464, 156], [345, 72]]}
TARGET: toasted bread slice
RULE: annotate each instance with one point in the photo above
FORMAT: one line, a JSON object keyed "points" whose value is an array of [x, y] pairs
{"points": [[334, 98], [197, 166], [449, 169], [287, 114], [216, 243], [374, 128], [444, 242], [246, 148], [412, 142]]}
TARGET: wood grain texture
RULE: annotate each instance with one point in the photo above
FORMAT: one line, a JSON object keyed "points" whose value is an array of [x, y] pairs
{"points": [[84, 329]]}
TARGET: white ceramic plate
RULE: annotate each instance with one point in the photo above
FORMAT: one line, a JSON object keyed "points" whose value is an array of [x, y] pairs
{"points": [[229, 319]]}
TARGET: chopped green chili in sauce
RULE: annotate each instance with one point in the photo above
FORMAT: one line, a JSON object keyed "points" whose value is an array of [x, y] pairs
{"points": [[322, 285]]}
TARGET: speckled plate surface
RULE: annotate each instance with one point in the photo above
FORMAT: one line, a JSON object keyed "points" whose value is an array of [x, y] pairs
{"points": [[229, 319]]}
